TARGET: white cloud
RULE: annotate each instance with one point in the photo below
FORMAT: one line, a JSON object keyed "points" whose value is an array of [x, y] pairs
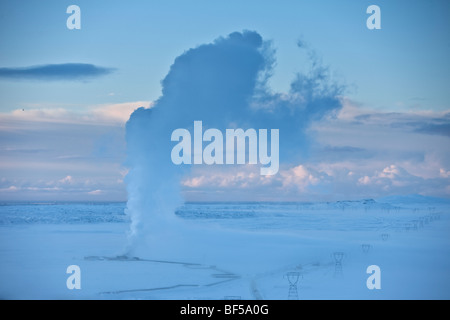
{"points": [[113, 114], [231, 177], [389, 172], [194, 182], [364, 153], [299, 177], [10, 189], [443, 173], [248, 177], [95, 192], [66, 180], [119, 112], [364, 180], [306, 181], [350, 110]]}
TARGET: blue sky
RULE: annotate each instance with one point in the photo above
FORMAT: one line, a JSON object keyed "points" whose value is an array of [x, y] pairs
{"points": [[63, 139], [404, 63]]}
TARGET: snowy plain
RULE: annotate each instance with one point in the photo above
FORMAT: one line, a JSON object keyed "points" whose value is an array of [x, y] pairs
{"points": [[230, 251]]}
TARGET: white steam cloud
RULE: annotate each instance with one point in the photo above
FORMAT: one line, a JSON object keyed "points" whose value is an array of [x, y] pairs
{"points": [[224, 85]]}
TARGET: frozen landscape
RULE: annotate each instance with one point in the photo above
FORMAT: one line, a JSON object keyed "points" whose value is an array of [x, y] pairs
{"points": [[239, 150], [229, 251]]}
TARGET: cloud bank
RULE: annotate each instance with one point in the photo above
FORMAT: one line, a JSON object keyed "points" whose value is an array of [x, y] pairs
{"points": [[104, 114], [53, 154], [56, 72]]}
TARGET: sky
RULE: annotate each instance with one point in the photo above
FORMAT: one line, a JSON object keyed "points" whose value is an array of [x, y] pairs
{"points": [[65, 95]]}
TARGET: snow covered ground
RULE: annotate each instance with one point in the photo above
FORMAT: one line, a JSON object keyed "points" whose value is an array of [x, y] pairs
{"points": [[230, 251]]}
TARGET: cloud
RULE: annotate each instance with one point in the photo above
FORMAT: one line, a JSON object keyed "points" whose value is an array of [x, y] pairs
{"points": [[119, 112], [364, 180], [432, 128], [55, 72], [106, 114], [443, 173], [67, 188], [298, 176], [225, 85], [231, 183], [364, 134], [66, 180], [51, 154], [390, 174], [307, 182], [357, 153], [228, 178], [426, 122], [96, 192]]}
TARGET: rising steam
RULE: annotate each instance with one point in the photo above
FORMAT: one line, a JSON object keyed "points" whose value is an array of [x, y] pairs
{"points": [[223, 84]]}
